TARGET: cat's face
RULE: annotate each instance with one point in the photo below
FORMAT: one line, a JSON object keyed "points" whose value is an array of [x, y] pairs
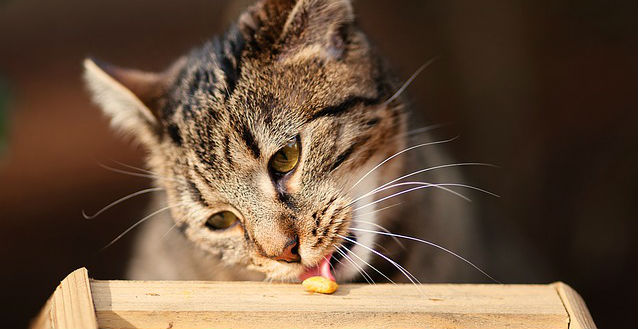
{"points": [[259, 136]]}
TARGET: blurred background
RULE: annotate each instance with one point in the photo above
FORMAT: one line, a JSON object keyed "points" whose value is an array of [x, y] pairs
{"points": [[547, 90]]}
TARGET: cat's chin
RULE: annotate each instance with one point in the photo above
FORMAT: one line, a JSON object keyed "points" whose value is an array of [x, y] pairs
{"points": [[278, 271]]}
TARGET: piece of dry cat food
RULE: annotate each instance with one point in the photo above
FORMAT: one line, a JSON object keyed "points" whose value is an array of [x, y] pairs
{"points": [[319, 278], [320, 284]]}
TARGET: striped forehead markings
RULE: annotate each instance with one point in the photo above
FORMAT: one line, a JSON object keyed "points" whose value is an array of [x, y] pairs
{"points": [[343, 107]]}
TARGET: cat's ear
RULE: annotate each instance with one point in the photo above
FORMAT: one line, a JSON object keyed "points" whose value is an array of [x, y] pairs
{"points": [[133, 99], [295, 25], [322, 23]]}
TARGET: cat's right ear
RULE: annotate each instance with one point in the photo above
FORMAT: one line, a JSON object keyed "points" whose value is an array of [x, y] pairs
{"points": [[133, 99]]}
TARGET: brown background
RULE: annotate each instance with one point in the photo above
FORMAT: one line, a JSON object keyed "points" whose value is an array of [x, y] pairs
{"points": [[544, 89]]}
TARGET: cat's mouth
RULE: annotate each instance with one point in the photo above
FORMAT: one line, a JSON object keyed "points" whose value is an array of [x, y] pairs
{"points": [[328, 262], [322, 269]]}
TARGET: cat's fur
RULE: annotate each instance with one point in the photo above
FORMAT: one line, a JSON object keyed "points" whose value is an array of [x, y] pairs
{"points": [[212, 121]]}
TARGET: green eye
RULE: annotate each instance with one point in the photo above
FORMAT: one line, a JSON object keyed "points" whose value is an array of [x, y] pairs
{"points": [[221, 220], [286, 158]]}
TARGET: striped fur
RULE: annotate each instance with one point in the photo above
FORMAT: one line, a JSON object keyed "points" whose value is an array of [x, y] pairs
{"points": [[286, 68]]}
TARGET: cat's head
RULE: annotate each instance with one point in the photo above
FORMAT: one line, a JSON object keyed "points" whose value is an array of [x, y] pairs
{"points": [[258, 137]]}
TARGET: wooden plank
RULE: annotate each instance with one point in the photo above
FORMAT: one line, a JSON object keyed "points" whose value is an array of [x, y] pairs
{"points": [[579, 316], [170, 304], [43, 320], [70, 306]]}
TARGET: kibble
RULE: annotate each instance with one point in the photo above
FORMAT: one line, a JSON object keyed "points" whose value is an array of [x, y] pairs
{"points": [[320, 284]]}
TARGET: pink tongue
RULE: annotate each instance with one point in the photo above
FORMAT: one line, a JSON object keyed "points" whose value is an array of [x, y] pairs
{"points": [[323, 269]]}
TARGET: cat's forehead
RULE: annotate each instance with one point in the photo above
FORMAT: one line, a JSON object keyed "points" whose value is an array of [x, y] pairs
{"points": [[273, 97]]}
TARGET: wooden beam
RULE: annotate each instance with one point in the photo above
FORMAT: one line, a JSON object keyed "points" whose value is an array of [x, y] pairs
{"points": [[147, 304], [70, 306], [79, 302], [579, 317]]}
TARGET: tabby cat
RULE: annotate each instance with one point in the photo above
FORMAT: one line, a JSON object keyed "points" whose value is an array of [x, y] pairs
{"points": [[271, 146]]}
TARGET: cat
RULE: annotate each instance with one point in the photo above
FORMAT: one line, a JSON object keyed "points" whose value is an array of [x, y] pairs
{"points": [[271, 145]]}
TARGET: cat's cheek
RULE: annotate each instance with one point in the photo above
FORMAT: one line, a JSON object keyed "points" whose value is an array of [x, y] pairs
{"points": [[228, 246]]}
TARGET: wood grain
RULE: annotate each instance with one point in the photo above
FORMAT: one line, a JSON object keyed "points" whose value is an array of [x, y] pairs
{"points": [[147, 304], [79, 302], [579, 317], [70, 306]]}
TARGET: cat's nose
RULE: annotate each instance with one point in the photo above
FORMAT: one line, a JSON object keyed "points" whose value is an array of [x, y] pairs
{"points": [[290, 253]]}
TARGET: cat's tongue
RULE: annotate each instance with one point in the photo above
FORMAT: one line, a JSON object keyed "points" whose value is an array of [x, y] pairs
{"points": [[323, 269]]}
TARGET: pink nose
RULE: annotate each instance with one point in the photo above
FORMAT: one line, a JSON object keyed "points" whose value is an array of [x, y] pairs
{"points": [[290, 253]]}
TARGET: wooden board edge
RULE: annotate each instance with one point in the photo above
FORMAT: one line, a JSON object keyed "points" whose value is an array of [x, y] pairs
{"points": [[579, 316], [43, 319], [70, 306]]}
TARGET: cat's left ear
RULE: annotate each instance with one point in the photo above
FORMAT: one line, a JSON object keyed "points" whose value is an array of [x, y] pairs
{"points": [[133, 99], [325, 24]]}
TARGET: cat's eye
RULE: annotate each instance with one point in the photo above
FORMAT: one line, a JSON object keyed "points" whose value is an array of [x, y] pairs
{"points": [[221, 220], [286, 159]]}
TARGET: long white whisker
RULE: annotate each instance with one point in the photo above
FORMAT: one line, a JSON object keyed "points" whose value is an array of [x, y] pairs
{"points": [[405, 272], [430, 244], [372, 267], [399, 153], [169, 231], [120, 171], [136, 224], [425, 170], [409, 81], [112, 204], [422, 130], [380, 247], [363, 272], [177, 179], [380, 227], [425, 185], [356, 266], [138, 174], [380, 209], [338, 261], [134, 168], [439, 186]]}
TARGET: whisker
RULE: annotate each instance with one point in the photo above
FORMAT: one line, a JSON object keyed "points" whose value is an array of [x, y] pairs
{"points": [[381, 227], [405, 272], [430, 244], [380, 247], [177, 179], [136, 224], [338, 261], [426, 185], [435, 185], [422, 130], [378, 210], [357, 267], [426, 170], [409, 81], [331, 266], [399, 153], [372, 267], [169, 231], [112, 204], [120, 171], [135, 168], [365, 274]]}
